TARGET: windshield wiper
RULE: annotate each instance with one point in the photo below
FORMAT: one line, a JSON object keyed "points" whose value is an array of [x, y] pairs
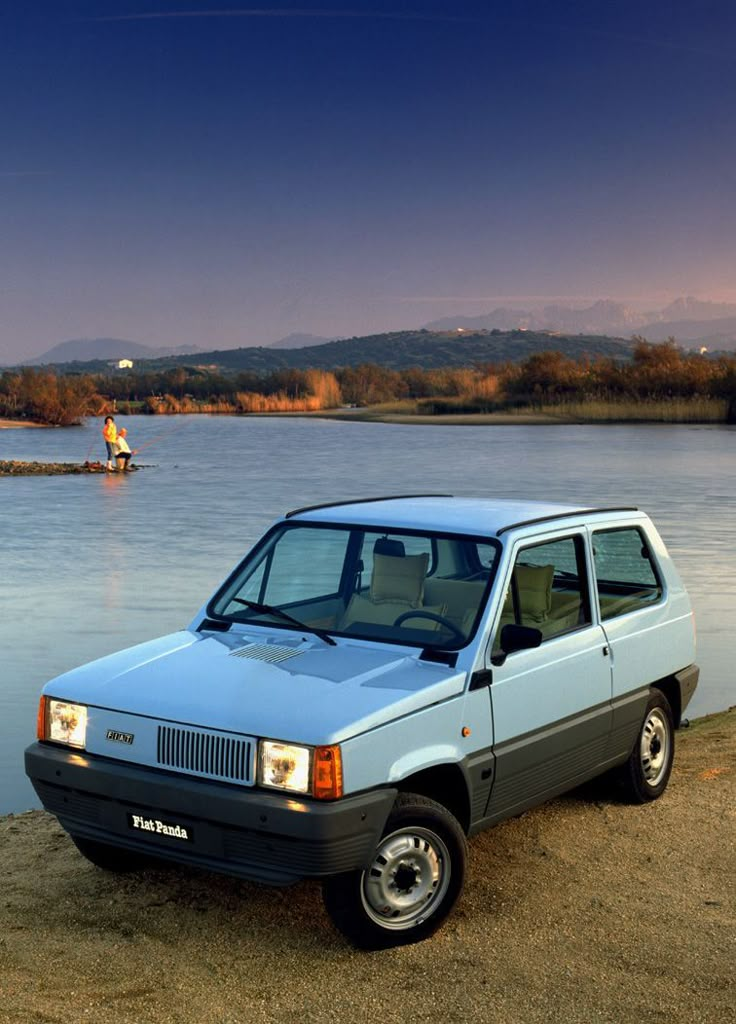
{"points": [[267, 609]]}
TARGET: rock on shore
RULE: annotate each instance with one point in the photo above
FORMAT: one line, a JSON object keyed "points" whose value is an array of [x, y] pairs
{"points": [[14, 468], [585, 910]]}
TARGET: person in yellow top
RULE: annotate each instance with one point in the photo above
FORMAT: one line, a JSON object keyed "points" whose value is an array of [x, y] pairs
{"points": [[110, 434]]}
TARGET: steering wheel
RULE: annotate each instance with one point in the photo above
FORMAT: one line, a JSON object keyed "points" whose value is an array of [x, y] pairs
{"points": [[420, 614]]}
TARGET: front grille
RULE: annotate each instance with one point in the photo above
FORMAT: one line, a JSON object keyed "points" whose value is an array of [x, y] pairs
{"points": [[214, 755]]}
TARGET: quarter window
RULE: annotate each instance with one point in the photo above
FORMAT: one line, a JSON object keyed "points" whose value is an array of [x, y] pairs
{"points": [[626, 575]]}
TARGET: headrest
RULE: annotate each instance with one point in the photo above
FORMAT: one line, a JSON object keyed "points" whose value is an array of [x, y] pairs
{"points": [[384, 546], [399, 579], [534, 583]]}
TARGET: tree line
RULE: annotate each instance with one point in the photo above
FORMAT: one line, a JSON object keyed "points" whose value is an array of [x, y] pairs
{"points": [[655, 372]]}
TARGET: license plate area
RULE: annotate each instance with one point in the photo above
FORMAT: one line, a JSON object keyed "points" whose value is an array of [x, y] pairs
{"points": [[151, 826]]}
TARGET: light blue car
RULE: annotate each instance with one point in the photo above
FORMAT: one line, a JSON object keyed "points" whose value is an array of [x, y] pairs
{"points": [[376, 681]]}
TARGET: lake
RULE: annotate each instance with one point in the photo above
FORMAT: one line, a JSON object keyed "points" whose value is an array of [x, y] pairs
{"points": [[91, 564]]}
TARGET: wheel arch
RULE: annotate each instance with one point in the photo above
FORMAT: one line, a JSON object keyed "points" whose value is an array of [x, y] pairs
{"points": [[445, 783], [670, 687]]}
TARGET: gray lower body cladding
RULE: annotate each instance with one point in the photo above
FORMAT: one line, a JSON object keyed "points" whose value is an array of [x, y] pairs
{"points": [[265, 837]]}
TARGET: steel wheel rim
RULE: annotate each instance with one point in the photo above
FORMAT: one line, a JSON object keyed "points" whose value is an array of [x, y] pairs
{"points": [[654, 748], [407, 879]]}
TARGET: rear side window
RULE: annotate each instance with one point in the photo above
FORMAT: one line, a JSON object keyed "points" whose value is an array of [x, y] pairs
{"points": [[626, 573]]}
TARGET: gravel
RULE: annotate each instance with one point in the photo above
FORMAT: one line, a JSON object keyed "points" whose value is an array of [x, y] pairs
{"points": [[585, 910]]}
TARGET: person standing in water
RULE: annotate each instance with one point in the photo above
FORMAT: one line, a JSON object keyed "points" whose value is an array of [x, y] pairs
{"points": [[110, 434]]}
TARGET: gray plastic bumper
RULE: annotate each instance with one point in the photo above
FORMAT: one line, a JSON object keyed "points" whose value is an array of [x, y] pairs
{"points": [[266, 837]]}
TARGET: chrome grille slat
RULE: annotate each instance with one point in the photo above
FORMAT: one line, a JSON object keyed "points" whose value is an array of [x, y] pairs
{"points": [[270, 653], [211, 755]]}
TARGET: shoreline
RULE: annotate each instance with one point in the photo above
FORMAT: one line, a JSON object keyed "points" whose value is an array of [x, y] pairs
{"points": [[392, 413], [583, 909], [15, 424]]}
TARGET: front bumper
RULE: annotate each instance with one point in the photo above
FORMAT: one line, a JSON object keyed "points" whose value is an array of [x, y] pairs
{"points": [[265, 837]]}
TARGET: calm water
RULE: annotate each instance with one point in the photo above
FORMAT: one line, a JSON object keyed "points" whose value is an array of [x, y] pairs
{"points": [[93, 564]]}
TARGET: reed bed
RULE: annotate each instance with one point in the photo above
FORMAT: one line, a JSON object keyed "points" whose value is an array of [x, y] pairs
{"points": [[671, 410]]}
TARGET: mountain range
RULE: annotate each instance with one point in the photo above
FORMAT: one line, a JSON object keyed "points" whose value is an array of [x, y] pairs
{"points": [[710, 324], [696, 323]]}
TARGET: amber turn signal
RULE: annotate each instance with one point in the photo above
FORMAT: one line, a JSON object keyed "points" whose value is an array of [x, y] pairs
{"points": [[327, 774], [41, 720]]}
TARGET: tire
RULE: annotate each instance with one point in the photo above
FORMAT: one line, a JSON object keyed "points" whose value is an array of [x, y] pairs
{"points": [[645, 775], [112, 858], [414, 880]]}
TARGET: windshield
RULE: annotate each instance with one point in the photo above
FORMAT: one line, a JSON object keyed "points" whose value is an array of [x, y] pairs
{"points": [[417, 588]]}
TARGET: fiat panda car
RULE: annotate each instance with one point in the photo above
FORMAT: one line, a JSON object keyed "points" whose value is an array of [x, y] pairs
{"points": [[375, 682]]}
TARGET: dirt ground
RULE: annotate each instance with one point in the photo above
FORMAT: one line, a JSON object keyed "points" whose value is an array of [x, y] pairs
{"points": [[13, 424], [586, 910]]}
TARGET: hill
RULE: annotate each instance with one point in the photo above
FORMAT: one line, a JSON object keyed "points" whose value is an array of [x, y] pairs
{"points": [[400, 350], [300, 341]]}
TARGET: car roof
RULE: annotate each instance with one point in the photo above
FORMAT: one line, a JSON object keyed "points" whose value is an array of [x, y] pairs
{"points": [[444, 513]]}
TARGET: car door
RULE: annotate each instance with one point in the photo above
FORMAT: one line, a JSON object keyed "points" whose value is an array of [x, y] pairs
{"points": [[551, 704], [641, 632]]}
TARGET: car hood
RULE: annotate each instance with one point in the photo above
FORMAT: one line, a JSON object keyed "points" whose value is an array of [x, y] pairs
{"points": [[303, 691]]}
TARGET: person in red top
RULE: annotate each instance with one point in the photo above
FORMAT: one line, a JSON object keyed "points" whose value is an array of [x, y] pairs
{"points": [[110, 434]]}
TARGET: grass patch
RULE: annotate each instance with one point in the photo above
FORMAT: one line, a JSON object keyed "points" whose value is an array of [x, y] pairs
{"points": [[674, 410]]}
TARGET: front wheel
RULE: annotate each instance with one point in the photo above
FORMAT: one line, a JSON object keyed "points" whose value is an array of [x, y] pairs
{"points": [[647, 772], [414, 879]]}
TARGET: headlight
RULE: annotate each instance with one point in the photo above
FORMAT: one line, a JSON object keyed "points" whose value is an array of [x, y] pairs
{"points": [[285, 766], [62, 722], [316, 771]]}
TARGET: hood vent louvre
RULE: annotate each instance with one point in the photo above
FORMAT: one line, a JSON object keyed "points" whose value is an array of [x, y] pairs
{"points": [[271, 653]]}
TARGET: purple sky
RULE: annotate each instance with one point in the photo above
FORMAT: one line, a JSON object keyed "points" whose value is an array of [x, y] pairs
{"points": [[182, 172]]}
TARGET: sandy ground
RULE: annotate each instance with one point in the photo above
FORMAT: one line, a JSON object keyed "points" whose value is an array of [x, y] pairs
{"points": [[586, 910], [19, 423]]}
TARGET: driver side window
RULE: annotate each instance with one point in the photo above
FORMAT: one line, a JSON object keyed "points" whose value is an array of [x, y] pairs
{"points": [[547, 589]]}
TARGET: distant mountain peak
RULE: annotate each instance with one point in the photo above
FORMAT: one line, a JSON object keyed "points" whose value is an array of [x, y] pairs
{"points": [[690, 308], [84, 350]]}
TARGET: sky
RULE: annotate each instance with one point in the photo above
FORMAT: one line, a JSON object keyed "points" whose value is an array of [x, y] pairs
{"points": [[181, 172]]}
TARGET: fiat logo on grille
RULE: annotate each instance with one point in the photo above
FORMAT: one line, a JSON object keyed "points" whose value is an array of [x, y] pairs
{"points": [[119, 737]]}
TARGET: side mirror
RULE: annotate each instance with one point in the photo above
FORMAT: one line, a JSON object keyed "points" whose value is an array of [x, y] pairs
{"points": [[517, 638]]}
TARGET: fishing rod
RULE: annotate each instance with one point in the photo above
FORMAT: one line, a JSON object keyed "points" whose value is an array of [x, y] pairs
{"points": [[146, 444], [158, 437]]}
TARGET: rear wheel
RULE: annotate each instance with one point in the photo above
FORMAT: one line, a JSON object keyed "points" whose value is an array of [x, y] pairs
{"points": [[414, 879], [112, 858], [647, 772]]}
